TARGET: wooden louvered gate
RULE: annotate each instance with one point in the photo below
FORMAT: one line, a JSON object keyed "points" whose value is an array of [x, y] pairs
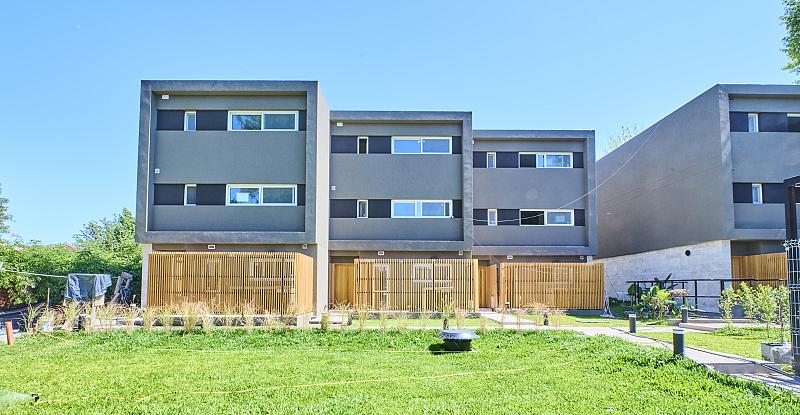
{"points": [[559, 285], [415, 284], [274, 282]]}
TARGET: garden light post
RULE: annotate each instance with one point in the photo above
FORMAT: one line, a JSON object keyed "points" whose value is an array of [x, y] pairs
{"points": [[632, 323], [677, 342], [793, 267], [684, 314]]}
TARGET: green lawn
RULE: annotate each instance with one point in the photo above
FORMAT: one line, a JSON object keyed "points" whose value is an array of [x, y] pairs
{"points": [[739, 341], [419, 323], [307, 371]]}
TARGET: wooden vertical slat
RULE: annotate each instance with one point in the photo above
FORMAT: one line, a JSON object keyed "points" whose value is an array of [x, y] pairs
{"points": [[760, 267], [562, 285], [269, 281]]}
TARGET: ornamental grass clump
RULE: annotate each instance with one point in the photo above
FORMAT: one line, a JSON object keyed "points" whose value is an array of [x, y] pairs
{"points": [[460, 317], [29, 319], [190, 315], [249, 317], [106, 314], [89, 319], [165, 317], [229, 317], [207, 319], [148, 318], [46, 320], [402, 320], [71, 311], [363, 316], [129, 316]]}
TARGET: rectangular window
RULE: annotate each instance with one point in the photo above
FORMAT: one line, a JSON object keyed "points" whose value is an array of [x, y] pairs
{"points": [[363, 145], [422, 208], [190, 195], [362, 209], [491, 160], [548, 217], [559, 217], [262, 195], [758, 194], [263, 120], [752, 123], [190, 121], [527, 159], [794, 123], [491, 217], [279, 195], [554, 160], [531, 217], [421, 145]]}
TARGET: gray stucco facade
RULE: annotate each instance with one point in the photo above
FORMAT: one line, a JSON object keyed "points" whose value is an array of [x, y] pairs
{"points": [[339, 160], [687, 179]]}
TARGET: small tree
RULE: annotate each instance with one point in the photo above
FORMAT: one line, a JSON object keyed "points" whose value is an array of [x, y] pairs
{"points": [[766, 306], [791, 43], [782, 295], [748, 300], [726, 302]]}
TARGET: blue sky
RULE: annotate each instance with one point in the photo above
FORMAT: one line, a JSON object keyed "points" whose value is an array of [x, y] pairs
{"points": [[70, 73]]}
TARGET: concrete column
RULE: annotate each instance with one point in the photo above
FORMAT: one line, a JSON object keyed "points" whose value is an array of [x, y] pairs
{"points": [[146, 249]]}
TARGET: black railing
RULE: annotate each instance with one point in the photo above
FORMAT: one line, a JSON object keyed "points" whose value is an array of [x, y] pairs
{"points": [[690, 285]]}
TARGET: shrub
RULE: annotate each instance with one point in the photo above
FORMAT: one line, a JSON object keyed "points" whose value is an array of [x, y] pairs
{"points": [[726, 303]]}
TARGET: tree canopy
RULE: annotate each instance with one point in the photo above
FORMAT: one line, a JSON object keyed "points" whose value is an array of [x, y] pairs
{"points": [[791, 43]]}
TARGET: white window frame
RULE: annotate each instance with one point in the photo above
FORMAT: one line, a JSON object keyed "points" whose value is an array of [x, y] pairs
{"points": [[422, 144], [418, 208], [260, 187], [262, 113], [493, 164], [366, 211], [545, 212], [489, 220], [358, 144], [760, 188], [754, 115], [186, 194], [536, 155], [186, 120]]}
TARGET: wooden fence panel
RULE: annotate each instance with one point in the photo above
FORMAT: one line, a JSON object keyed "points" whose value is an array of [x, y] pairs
{"points": [[488, 286], [270, 281], [562, 285], [760, 267], [416, 284]]}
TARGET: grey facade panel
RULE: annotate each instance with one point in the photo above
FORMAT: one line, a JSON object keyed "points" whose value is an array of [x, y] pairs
{"points": [[739, 122], [531, 236], [211, 194], [765, 157], [764, 216], [660, 204], [380, 144], [775, 122], [508, 217], [208, 120], [228, 218], [742, 193], [343, 208], [264, 101], [169, 120], [347, 144], [396, 176], [168, 194], [398, 128], [479, 159], [397, 229], [380, 208], [480, 217], [530, 188], [240, 157], [507, 160]]}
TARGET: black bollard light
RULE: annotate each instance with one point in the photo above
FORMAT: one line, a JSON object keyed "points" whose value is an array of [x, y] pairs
{"points": [[632, 323], [684, 314], [677, 342]]}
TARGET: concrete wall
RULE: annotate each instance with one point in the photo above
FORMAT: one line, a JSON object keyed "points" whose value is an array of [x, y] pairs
{"points": [[396, 176], [228, 218], [708, 260], [666, 187]]}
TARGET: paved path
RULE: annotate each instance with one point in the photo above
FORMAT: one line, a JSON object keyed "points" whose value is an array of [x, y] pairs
{"points": [[737, 366]]}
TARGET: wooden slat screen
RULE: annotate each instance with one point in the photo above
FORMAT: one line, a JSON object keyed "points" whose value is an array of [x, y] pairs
{"points": [[272, 282], [563, 285], [416, 284], [488, 286], [342, 285], [760, 267]]}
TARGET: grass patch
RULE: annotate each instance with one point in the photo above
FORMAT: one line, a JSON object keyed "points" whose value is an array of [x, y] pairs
{"points": [[744, 342], [309, 371]]}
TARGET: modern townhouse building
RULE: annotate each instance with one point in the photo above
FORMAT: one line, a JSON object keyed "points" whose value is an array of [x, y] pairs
{"points": [[700, 194], [233, 166], [532, 198], [247, 188]]}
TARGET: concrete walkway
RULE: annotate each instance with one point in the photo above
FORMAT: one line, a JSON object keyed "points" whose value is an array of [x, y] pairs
{"points": [[737, 366]]}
